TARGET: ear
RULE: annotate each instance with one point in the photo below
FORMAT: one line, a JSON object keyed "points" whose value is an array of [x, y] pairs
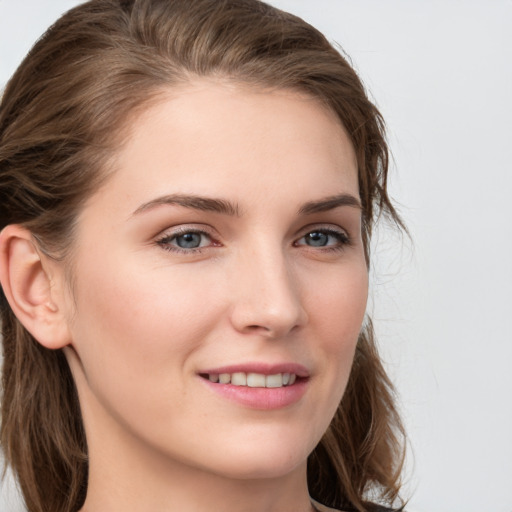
{"points": [[34, 287]]}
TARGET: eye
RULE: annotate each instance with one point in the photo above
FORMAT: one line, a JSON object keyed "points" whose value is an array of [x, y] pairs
{"points": [[324, 238], [186, 240], [189, 240]]}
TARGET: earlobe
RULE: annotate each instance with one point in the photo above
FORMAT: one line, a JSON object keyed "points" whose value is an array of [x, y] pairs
{"points": [[34, 295]]}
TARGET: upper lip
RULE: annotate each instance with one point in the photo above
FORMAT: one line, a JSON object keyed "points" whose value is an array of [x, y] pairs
{"points": [[263, 368]]}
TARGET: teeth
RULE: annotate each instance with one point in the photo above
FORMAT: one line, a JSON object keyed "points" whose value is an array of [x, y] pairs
{"points": [[254, 380], [274, 381], [239, 379], [225, 378]]}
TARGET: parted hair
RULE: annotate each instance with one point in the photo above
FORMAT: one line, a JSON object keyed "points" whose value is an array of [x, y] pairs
{"points": [[64, 113]]}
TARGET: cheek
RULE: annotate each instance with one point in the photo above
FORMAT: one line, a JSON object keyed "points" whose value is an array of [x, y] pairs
{"points": [[132, 304], [337, 313], [134, 335], [339, 305], [138, 327]]}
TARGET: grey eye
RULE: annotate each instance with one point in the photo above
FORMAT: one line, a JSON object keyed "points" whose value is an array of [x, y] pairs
{"points": [[327, 238], [188, 240], [316, 239]]}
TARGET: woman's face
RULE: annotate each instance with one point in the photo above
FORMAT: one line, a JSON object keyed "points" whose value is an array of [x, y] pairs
{"points": [[220, 283]]}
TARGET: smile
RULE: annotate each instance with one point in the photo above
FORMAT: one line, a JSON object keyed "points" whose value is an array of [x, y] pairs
{"points": [[253, 380], [258, 385]]}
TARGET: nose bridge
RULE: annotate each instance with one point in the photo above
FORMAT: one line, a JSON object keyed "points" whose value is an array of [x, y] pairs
{"points": [[268, 298]]}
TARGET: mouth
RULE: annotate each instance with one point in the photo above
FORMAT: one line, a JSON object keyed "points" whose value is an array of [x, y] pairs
{"points": [[258, 386], [253, 380]]}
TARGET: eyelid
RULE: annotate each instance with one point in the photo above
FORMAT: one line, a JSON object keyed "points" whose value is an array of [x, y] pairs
{"points": [[331, 228]]}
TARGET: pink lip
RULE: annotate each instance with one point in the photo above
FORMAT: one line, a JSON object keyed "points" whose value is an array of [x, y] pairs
{"points": [[260, 398], [263, 368]]}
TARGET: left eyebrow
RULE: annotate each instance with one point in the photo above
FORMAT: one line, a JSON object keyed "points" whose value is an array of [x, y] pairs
{"points": [[194, 202], [330, 203]]}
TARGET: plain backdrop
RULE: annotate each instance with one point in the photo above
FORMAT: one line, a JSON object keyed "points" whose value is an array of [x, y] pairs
{"points": [[441, 73]]}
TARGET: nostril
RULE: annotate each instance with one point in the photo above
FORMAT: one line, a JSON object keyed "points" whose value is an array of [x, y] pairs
{"points": [[257, 327], [261, 329]]}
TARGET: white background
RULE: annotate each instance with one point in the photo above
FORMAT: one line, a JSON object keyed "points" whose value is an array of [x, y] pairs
{"points": [[441, 73]]}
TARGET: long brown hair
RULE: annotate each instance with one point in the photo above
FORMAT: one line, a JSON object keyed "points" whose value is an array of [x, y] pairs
{"points": [[61, 119]]}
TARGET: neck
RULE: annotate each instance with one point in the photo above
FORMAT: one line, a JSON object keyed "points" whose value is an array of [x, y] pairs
{"points": [[140, 485], [127, 475]]}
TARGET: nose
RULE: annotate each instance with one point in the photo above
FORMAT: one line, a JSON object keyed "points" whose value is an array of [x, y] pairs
{"points": [[266, 296]]}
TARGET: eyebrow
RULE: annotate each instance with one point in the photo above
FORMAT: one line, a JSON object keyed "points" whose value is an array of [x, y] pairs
{"points": [[225, 207], [191, 201], [330, 203]]}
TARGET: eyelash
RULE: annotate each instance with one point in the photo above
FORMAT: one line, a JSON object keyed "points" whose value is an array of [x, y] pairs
{"points": [[343, 240], [165, 241]]}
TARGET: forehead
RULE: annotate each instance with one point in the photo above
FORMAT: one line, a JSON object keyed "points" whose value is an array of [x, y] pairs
{"points": [[229, 139]]}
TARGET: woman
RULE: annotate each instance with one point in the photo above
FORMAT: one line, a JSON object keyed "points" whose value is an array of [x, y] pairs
{"points": [[188, 191]]}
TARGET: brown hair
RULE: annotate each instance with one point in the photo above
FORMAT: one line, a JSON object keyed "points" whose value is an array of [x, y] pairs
{"points": [[60, 121]]}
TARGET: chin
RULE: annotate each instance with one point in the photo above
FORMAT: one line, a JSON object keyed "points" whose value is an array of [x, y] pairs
{"points": [[272, 460], [271, 468]]}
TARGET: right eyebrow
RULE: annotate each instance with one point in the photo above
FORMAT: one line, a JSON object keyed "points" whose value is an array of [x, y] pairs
{"points": [[195, 202], [330, 203]]}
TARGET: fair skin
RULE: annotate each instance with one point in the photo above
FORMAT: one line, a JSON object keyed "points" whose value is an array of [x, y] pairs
{"points": [[226, 241]]}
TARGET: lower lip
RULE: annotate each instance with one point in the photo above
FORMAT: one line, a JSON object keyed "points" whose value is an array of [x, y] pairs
{"points": [[260, 398]]}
